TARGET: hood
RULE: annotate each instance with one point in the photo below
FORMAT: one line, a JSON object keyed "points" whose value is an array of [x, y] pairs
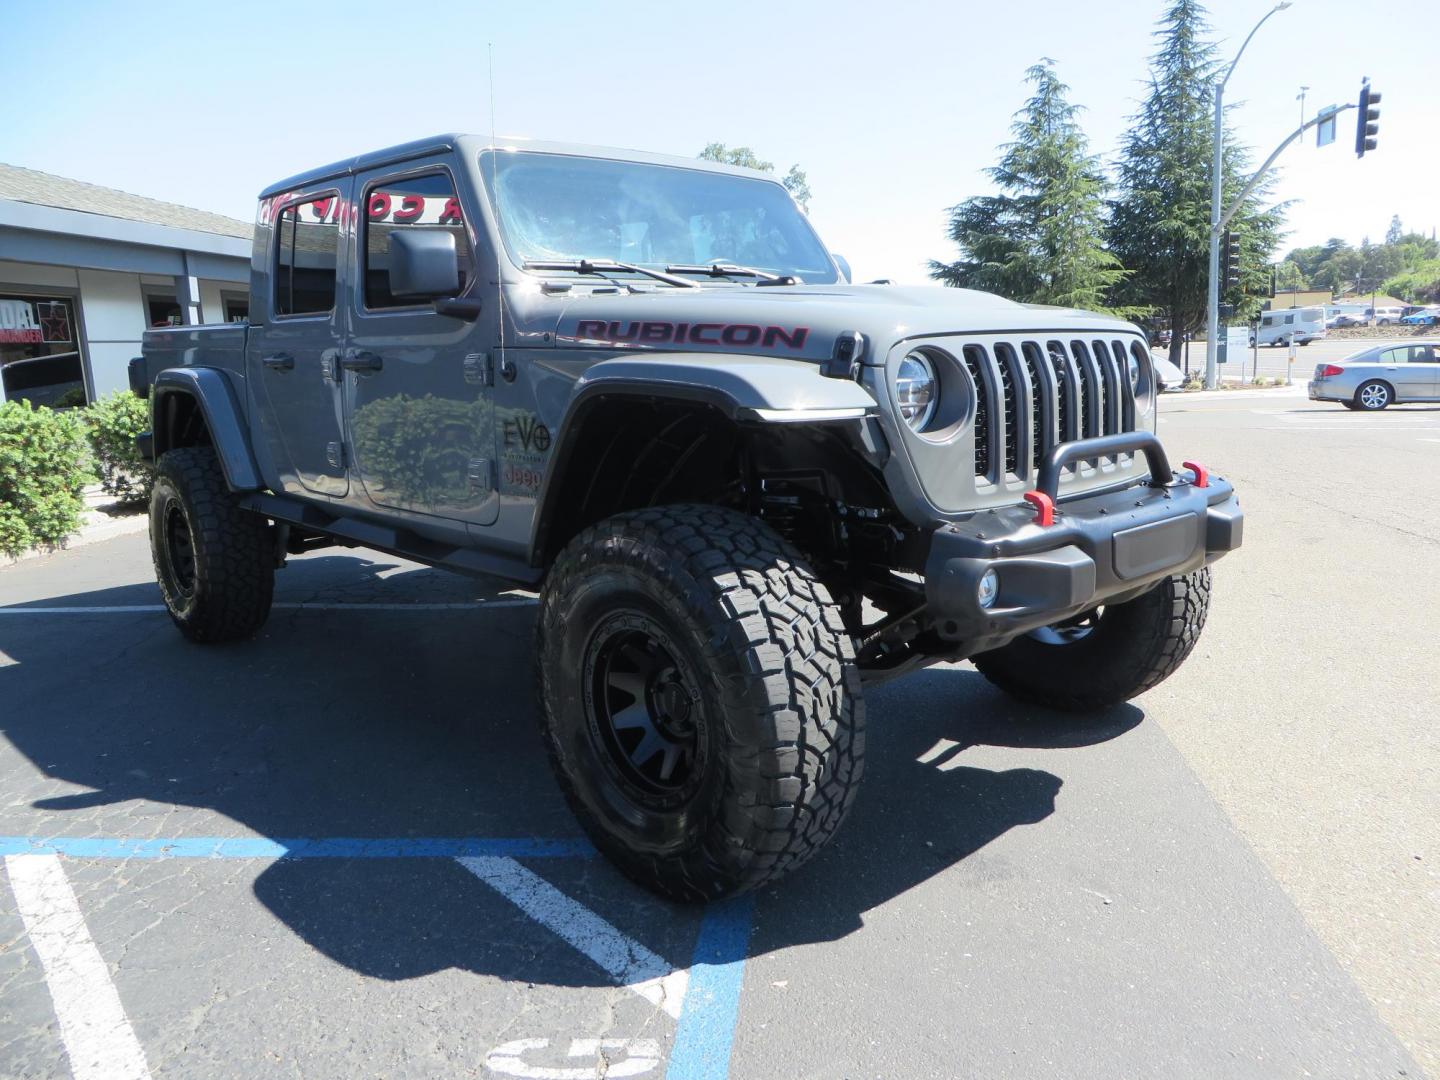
{"points": [[798, 321]]}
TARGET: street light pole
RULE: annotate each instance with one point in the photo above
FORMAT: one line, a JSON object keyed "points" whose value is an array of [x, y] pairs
{"points": [[1212, 301]]}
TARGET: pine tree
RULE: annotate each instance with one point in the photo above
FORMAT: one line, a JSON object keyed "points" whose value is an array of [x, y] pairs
{"points": [[1041, 240], [1160, 223]]}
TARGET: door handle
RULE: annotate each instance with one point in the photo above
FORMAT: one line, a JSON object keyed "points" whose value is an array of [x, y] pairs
{"points": [[361, 361], [279, 362]]}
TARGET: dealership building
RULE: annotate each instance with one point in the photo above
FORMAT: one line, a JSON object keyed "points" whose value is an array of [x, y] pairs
{"points": [[84, 270]]}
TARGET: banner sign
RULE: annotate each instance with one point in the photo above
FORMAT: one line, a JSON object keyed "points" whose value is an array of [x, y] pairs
{"points": [[34, 322], [390, 207]]}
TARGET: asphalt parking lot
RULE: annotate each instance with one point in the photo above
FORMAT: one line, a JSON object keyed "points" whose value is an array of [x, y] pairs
{"points": [[337, 850]]}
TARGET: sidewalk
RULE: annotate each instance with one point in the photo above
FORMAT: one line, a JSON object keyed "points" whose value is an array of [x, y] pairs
{"points": [[104, 520]]}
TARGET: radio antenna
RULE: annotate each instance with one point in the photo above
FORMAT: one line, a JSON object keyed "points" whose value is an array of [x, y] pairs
{"points": [[495, 184]]}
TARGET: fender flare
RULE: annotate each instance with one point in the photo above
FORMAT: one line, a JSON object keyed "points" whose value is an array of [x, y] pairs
{"points": [[212, 391], [743, 388]]}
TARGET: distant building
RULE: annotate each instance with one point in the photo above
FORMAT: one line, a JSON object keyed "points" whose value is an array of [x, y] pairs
{"points": [[1297, 298], [85, 270]]}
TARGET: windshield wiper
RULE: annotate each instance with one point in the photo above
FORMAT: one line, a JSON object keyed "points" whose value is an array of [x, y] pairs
{"points": [[600, 267], [732, 270]]}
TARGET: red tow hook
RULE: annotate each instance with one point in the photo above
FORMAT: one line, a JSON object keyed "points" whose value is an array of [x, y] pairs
{"points": [[1044, 507], [1202, 474]]}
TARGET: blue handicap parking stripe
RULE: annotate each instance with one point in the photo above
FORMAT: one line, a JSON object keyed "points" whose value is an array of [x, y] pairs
{"points": [[712, 1000], [257, 847]]}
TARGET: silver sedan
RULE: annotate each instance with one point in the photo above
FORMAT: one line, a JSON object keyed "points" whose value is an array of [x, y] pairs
{"points": [[1381, 375]]}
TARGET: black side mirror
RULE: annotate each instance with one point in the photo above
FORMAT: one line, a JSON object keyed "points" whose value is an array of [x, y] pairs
{"points": [[423, 263]]}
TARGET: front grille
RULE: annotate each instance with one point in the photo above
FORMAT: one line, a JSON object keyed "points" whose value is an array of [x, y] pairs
{"points": [[974, 358], [1032, 395]]}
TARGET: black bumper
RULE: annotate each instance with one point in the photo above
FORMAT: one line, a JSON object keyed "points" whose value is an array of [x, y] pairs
{"points": [[1102, 549]]}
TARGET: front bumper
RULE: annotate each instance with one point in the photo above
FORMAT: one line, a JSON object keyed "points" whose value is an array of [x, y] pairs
{"points": [[1104, 548]]}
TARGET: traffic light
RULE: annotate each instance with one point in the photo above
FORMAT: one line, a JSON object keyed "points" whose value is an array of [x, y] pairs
{"points": [[1230, 253], [1367, 122]]}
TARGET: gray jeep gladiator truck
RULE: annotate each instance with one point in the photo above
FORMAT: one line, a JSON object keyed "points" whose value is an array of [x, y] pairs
{"points": [[743, 487]]}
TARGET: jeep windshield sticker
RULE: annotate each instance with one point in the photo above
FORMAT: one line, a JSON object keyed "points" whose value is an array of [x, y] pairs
{"points": [[728, 335]]}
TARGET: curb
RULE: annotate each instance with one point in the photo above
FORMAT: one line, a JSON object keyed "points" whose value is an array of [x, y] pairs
{"points": [[99, 526]]}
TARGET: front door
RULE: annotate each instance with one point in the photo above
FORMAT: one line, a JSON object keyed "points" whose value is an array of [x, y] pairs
{"points": [[418, 384], [294, 353]]}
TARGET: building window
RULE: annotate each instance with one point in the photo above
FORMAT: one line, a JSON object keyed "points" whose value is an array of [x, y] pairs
{"points": [[236, 307], [40, 350], [305, 264], [162, 309], [416, 201]]}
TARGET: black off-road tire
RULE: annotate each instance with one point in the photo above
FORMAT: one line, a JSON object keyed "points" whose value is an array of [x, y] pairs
{"points": [[1130, 648], [221, 589], [772, 703]]}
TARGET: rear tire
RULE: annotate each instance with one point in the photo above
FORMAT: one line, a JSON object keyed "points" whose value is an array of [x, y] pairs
{"points": [[1374, 396], [698, 698], [1123, 650], [214, 561]]}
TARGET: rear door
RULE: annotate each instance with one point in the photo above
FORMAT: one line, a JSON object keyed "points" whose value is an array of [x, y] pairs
{"points": [[293, 352], [420, 410], [1425, 361], [1411, 379]]}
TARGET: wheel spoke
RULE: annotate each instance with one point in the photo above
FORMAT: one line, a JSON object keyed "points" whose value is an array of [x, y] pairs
{"points": [[633, 716], [627, 682], [672, 757], [649, 746]]}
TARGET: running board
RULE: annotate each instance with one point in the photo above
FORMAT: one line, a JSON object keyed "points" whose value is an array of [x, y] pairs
{"points": [[390, 539]]}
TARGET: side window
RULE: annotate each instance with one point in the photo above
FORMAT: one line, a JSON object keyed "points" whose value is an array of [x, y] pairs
{"points": [[307, 241], [1393, 356], [1289, 320], [413, 202]]}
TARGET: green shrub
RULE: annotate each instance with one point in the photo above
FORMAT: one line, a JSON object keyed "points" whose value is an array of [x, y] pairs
{"points": [[43, 470], [112, 424]]}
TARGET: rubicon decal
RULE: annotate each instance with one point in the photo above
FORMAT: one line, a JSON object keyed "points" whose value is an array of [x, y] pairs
{"points": [[735, 335]]}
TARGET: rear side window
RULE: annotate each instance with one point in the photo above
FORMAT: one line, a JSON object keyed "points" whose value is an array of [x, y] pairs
{"points": [[308, 241], [410, 203]]}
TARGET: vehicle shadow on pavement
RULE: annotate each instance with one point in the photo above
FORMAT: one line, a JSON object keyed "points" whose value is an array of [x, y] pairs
{"points": [[396, 724], [921, 812]]}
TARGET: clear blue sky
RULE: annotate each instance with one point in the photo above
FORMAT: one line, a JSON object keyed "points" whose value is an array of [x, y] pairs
{"points": [[893, 109]]}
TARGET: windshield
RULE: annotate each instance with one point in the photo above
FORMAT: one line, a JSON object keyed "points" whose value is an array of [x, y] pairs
{"points": [[554, 207]]}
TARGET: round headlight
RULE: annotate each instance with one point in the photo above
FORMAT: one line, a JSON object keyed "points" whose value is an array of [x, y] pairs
{"points": [[1134, 374], [917, 392]]}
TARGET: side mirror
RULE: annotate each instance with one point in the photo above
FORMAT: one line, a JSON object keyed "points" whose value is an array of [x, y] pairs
{"points": [[423, 263], [844, 265]]}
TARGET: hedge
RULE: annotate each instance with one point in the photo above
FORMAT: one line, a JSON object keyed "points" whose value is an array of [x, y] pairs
{"points": [[44, 467], [112, 424]]}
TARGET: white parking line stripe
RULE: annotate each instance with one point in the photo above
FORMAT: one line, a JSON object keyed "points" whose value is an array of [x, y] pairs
{"points": [[148, 609], [97, 1035], [626, 960]]}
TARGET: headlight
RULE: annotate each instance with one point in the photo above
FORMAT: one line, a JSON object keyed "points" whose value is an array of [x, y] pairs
{"points": [[1134, 374], [916, 391]]}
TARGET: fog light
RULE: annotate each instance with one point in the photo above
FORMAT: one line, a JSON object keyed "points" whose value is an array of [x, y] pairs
{"points": [[988, 589]]}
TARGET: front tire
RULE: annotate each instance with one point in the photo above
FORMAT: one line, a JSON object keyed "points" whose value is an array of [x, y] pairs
{"points": [[1374, 396], [698, 698], [214, 562], [1107, 656]]}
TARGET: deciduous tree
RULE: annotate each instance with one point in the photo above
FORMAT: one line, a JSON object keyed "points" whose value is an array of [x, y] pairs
{"points": [[795, 181]]}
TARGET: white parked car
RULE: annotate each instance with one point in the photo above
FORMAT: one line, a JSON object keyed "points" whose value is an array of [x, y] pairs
{"points": [[1168, 376]]}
